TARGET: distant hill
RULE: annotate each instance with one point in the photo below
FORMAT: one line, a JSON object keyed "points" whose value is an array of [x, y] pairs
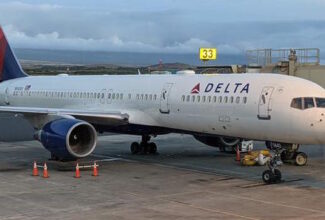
{"points": [[130, 59]]}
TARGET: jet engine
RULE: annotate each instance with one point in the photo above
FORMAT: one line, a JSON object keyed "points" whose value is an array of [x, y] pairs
{"points": [[218, 141], [68, 139]]}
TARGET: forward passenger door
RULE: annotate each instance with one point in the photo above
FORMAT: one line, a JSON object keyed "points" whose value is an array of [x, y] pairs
{"points": [[265, 104], [164, 98]]}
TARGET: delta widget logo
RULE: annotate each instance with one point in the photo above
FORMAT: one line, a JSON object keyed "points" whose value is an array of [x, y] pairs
{"points": [[196, 89]]}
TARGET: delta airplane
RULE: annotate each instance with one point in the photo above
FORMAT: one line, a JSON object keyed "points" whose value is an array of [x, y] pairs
{"points": [[222, 110]]}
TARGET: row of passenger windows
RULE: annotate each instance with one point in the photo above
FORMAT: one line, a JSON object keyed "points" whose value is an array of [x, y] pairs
{"points": [[307, 102], [215, 99], [85, 95], [146, 97]]}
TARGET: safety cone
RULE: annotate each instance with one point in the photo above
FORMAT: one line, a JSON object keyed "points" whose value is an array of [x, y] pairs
{"points": [[35, 170], [45, 173], [77, 175], [95, 171], [237, 154]]}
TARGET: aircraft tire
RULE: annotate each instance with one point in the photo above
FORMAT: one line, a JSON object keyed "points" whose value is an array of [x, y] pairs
{"points": [[277, 175], [135, 148], [301, 159], [152, 148], [268, 177]]}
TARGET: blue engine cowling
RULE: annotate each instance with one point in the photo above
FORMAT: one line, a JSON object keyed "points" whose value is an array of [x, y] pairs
{"points": [[68, 139]]}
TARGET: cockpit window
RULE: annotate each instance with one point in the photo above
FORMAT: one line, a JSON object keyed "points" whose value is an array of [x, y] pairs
{"points": [[320, 102], [296, 103], [309, 103]]}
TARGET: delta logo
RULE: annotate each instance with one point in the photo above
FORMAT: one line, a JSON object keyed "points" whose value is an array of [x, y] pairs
{"points": [[222, 88], [196, 89]]}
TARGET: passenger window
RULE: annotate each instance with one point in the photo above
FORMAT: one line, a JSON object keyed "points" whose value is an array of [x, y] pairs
{"points": [[220, 99], [226, 99], [203, 98], [188, 98], [214, 99], [150, 97], [309, 103], [296, 103], [183, 98], [155, 97], [245, 100], [193, 98], [121, 95], [146, 96], [129, 95], [237, 99], [198, 98], [320, 102], [209, 98], [231, 99]]}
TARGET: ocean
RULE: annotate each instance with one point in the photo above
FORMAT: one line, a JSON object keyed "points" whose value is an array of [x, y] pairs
{"points": [[120, 58]]}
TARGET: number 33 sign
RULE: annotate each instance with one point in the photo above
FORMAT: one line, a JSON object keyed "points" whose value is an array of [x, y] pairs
{"points": [[208, 54]]}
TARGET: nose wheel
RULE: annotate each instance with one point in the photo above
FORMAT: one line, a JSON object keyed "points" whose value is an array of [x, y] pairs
{"points": [[273, 175], [144, 147]]}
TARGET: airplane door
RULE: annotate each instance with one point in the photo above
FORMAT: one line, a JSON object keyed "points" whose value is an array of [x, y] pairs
{"points": [[7, 97], [264, 104], [109, 96], [164, 98], [102, 96]]}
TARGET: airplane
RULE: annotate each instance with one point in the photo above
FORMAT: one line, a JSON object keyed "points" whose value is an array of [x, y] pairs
{"points": [[67, 111]]}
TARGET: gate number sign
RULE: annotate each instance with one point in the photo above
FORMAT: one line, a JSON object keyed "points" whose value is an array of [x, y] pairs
{"points": [[208, 54]]}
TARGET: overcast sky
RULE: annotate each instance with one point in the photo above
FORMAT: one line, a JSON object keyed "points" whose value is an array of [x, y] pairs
{"points": [[176, 26]]}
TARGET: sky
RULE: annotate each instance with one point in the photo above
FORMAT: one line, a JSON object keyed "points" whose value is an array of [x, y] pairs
{"points": [[164, 26]]}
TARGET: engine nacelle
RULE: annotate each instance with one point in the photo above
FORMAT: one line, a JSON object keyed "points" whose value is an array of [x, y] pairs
{"points": [[221, 142], [68, 139]]}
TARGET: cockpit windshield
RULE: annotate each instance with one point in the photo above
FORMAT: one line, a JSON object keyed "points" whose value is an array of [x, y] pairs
{"points": [[320, 102], [296, 103], [307, 102]]}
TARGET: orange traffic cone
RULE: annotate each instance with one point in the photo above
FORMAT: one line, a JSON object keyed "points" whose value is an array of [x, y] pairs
{"points": [[35, 170], [45, 173], [237, 154], [77, 175], [95, 171]]}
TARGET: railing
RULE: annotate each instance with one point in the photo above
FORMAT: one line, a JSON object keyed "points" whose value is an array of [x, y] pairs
{"points": [[268, 56]]}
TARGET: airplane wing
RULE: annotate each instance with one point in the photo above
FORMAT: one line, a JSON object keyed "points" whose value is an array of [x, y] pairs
{"points": [[113, 118]]}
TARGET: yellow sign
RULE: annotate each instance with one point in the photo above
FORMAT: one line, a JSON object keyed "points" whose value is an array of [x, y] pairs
{"points": [[208, 54]]}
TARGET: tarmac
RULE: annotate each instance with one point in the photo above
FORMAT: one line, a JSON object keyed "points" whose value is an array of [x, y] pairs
{"points": [[185, 180]]}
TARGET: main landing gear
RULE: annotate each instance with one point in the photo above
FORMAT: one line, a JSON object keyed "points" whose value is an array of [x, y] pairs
{"points": [[144, 147]]}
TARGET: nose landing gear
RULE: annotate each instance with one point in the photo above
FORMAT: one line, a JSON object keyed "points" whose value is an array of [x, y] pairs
{"points": [[144, 147], [273, 175]]}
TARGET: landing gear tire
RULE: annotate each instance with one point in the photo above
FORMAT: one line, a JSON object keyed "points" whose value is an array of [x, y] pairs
{"points": [[277, 176], [152, 148], [144, 147], [300, 159], [268, 177], [135, 148]]}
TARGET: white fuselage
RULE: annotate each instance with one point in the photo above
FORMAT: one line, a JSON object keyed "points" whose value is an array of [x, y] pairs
{"points": [[249, 106]]}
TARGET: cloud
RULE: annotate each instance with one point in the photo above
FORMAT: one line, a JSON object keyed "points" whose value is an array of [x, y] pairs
{"points": [[171, 26]]}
